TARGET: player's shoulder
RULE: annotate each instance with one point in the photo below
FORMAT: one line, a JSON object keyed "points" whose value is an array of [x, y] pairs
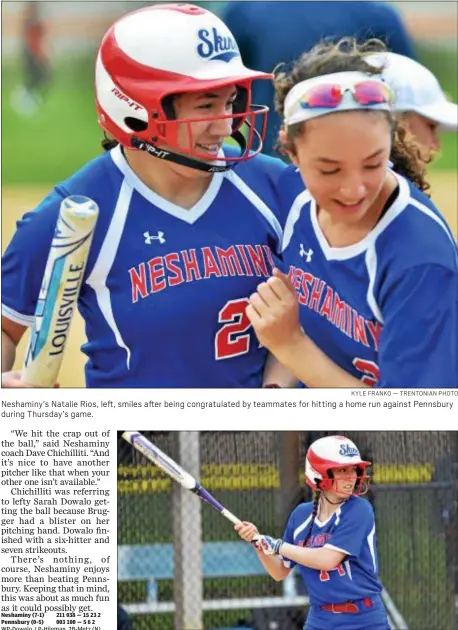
{"points": [[292, 189], [301, 513], [358, 506], [257, 180], [260, 168], [94, 179], [294, 199], [418, 230], [291, 177]]}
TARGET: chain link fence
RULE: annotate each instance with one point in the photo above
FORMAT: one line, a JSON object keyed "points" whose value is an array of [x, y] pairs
{"points": [[181, 565]]}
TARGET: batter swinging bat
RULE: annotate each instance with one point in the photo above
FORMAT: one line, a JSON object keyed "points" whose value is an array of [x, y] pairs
{"points": [[60, 289], [155, 455]]}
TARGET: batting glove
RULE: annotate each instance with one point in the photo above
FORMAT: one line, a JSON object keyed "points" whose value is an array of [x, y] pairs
{"points": [[268, 545]]}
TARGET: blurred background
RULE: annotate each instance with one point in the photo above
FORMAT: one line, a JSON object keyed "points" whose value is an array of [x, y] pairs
{"points": [[49, 125], [181, 565]]}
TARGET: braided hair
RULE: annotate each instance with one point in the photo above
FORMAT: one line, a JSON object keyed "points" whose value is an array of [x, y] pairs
{"points": [[316, 503]]}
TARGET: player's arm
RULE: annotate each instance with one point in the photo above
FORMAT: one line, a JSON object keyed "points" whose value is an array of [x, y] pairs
{"points": [[11, 335], [274, 314], [419, 339], [322, 559], [277, 375], [347, 539], [272, 564], [312, 366], [355, 525]]}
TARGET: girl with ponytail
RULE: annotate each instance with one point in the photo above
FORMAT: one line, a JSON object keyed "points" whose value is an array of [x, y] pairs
{"points": [[332, 541]]}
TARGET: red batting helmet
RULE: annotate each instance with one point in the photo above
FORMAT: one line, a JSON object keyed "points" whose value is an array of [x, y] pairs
{"points": [[148, 56], [331, 453]]}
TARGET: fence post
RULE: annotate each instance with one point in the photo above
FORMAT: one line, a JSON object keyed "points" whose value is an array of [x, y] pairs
{"points": [[289, 478], [187, 540]]}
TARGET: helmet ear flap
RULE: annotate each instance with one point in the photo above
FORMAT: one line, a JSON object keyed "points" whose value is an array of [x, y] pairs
{"points": [[324, 484]]}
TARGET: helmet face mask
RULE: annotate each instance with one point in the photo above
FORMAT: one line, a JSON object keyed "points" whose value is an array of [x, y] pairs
{"points": [[337, 483], [182, 134], [152, 55], [334, 453]]}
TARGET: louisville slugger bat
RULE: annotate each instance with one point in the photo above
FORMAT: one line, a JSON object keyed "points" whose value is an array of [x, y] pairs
{"points": [[187, 481], [60, 289]]}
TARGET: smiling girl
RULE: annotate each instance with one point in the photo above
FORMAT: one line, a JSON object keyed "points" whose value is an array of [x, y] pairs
{"points": [[372, 295], [187, 227], [332, 540]]}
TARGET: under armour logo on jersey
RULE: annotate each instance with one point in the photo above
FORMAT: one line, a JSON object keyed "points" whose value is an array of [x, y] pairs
{"points": [[348, 451], [308, 255], [149, 239], [216, 47]]}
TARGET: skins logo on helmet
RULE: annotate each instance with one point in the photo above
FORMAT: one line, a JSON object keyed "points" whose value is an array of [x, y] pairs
{"points": [[348, 451], [216, 47]]}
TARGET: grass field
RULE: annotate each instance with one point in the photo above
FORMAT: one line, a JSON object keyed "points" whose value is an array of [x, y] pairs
{"points": [[18, 199]]}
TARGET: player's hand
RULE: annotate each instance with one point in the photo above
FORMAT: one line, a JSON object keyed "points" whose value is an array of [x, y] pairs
{"points": [[268, 545], [247, 531], [274, 314], [13, 380]]}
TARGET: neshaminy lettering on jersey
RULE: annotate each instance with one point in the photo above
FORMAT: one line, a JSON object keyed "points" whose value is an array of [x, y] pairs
{"points": [[201, 263], [317, 540], [317, 295]]}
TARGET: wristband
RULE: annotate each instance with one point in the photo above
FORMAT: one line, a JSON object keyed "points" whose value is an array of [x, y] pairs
{"points": [[271, 386], [277, 546]]}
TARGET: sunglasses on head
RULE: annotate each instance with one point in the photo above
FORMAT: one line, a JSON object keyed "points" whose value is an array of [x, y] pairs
{"points": [[330, 95]]}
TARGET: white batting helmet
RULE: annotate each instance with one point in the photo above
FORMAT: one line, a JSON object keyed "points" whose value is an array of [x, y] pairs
{"points": [[330, 453], [151, 54]]}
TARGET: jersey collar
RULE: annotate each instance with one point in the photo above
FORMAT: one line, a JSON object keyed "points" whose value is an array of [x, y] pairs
{"points": [[345, 253], [188, 216]]}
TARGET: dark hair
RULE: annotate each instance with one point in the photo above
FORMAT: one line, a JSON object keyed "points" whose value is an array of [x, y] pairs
{"points": [[108, 143], [347, 55], [316, 503]]}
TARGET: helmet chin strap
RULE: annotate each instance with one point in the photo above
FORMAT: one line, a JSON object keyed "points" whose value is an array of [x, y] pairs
{"points": [[317, 482], [333, 502], [190, 162]]}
